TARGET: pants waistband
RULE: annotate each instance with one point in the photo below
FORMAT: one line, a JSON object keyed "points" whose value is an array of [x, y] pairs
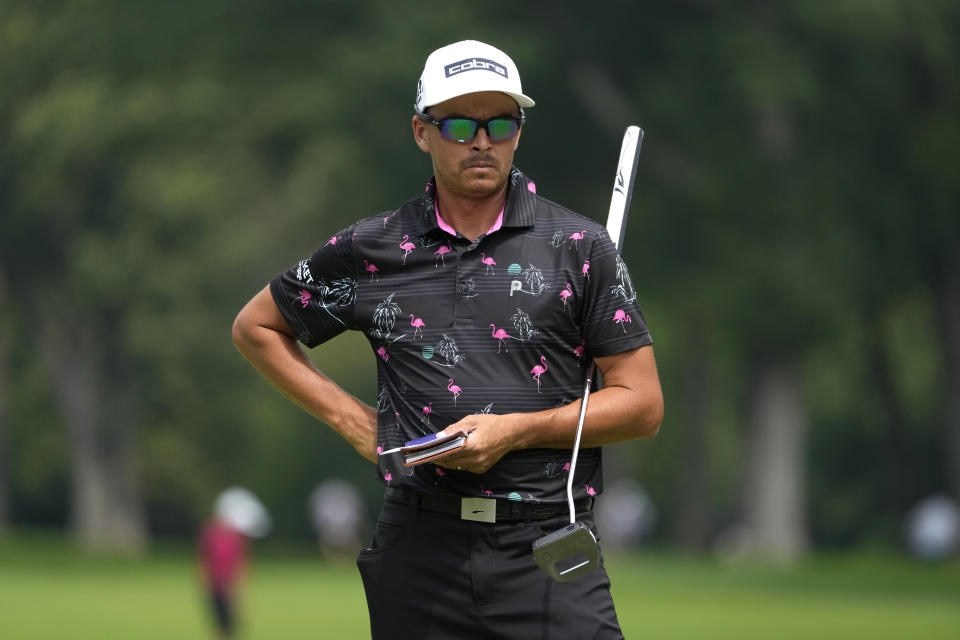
{"points": [[506, 510]]}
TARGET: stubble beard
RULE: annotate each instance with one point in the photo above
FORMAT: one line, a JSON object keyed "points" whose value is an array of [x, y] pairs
{"points": [[461, 185]]}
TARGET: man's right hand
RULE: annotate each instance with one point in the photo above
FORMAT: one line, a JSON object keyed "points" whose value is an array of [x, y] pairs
{"points": [[264, 337]]}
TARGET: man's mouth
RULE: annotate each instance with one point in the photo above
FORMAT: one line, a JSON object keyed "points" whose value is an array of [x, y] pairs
{"points": [[480, 164]]}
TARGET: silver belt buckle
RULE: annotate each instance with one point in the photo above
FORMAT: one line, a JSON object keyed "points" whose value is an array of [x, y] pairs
{"points": [[478, 509]]}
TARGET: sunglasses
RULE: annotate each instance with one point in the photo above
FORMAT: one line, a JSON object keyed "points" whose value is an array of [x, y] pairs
{"points": [[465, 129]]}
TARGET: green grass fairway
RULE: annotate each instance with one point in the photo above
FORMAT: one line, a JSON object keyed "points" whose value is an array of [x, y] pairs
{"points": [[49, 591]]}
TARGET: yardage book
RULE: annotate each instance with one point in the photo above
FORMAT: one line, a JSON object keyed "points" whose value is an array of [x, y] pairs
{"points": [[430, 447]]}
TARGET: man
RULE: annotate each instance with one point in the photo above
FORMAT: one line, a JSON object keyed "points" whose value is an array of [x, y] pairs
{"points": [[484, 304], [222, 553], [222, 559]]}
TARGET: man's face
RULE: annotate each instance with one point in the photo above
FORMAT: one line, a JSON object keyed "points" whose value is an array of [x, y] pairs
{"points": [[478, 168]]}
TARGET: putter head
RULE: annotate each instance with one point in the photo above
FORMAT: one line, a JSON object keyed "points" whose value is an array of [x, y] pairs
{"points": [[566, 553]]}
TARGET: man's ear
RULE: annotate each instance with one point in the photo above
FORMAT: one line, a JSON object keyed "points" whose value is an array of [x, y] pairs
{"points": [[420, 134]]}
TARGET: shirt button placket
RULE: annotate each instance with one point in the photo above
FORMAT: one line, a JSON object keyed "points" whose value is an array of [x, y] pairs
{"points": [[466, 287]]}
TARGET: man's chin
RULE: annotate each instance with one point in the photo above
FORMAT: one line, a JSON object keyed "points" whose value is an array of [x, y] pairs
{"points": [[485, 185], [481, 191]]}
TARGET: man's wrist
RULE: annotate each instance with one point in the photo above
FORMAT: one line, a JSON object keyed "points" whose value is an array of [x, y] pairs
{"points": [[524, 428]]}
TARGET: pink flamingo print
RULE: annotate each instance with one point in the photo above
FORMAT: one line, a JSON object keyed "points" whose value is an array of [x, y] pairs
{"points": [[332, 240], [500, 335], [440, 471], [485, 491], [577, 236], [531, 187], [455, 390], [585, 271], [425, 412], [579, 350], [566, 467], [566, 293], [382, 352], [539, 370], [396, 419], [487, 261], [442, 251], [379, 449], [590, 490], [417, 324], [372, 269], [304, 298], [621, 317], [388, 218], [407, 247], [387, 475]]}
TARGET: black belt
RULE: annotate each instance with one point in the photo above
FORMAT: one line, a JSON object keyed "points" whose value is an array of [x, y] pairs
{"points": [[506, 510]]}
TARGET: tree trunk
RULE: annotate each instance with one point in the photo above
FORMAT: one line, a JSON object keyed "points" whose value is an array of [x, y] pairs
{"points": [[693, 499], [96, 404], [948, 314], [4, 382], [773, 494], [898, 446]]}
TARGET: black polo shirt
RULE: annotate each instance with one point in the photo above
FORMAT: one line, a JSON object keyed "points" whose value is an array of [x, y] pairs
{"points": [[506, 323]]}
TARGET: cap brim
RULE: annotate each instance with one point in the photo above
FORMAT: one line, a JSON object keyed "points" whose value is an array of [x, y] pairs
{"points": [[522, 100]]}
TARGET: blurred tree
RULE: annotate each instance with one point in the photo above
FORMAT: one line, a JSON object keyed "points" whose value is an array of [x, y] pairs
{"points": [[792, 240], [948, 323], [890, 79], [725, 239], [5, 337]]}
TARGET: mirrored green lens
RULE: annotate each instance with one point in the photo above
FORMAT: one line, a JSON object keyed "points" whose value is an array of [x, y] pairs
{"points": [[459, 129], [501, 129]]}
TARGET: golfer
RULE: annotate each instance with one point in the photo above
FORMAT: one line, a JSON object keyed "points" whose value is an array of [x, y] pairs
{"points": [[484, 304]]}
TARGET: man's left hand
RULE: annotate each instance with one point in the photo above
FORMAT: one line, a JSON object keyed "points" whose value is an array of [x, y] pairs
{"points": [[490, 439]]}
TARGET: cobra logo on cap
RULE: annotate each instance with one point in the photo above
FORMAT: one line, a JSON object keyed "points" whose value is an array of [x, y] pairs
{"points": [[474, 64]]}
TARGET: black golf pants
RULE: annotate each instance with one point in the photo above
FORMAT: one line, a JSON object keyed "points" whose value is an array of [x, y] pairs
{"points": [[430, 575]]}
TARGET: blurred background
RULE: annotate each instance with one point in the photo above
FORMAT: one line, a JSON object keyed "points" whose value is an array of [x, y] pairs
{"points": [[794, 241]]}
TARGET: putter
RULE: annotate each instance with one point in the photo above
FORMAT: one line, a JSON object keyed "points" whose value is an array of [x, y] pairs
{"points": [[572, 551]]}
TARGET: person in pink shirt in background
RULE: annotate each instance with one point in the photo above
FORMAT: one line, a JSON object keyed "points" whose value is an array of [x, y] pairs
{"points": [[223, 553]]}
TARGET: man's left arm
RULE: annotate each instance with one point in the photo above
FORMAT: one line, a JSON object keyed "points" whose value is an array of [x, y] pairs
{"points": [[629, 406]]}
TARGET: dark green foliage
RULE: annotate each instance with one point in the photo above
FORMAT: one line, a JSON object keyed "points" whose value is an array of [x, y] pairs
{"points": [[797, 189]]}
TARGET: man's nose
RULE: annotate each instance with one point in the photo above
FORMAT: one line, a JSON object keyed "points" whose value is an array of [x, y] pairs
{"points": [[481, 141]]}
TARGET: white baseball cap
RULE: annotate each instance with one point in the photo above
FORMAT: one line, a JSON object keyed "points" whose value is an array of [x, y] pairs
{"points": [[468, 67], [240, 509]]}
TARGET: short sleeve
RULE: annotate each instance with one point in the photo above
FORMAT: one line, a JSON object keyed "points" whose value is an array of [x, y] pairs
{"points": [[317, 295], [611, 321]]}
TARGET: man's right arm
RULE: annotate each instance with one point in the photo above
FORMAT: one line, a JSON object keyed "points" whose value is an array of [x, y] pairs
{"points": [[264, 337]]}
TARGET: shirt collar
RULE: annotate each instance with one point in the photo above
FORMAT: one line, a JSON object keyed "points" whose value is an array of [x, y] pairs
{"points": [[517, 212]]}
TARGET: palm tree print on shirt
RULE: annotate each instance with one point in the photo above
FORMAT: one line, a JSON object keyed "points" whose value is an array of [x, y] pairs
{"points": [[467, 288], [522, 325], [448, 349], [624, 286], [341, 293], [385, 317], [554, 469], [534, 280], [557, 240], [485, 411], [383, 402]]}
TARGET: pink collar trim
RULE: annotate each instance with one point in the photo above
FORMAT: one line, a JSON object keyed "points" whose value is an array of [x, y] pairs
{"points": [[446, 227]]}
